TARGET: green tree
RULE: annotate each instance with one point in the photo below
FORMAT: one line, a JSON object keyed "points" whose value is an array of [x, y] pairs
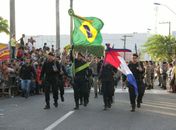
{"points": [[4, 26], [161, 48]]}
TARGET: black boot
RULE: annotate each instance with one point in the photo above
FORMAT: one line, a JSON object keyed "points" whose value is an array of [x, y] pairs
{"points": [[138, 105], [85, 102], [77, 106], [105, 107], [26, 94], [55, 104], [22, 94], [149, 87], [81, 101], [109, 102], [47, 107], [133, 108], [96, 95], [62, 98]]}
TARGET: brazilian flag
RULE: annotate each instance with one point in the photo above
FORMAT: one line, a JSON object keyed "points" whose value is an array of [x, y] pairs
{"points": [[87, 31]]}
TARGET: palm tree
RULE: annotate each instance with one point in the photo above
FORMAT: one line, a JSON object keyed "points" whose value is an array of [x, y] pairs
{"points": [[4, 27], [161, 47]]}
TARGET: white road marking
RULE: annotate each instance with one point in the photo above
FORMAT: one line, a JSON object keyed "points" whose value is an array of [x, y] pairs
{"points": [[161, 104], [52, 126], [119, 90], [1, 114], [161, 112], [152, 105], [162, 107]]}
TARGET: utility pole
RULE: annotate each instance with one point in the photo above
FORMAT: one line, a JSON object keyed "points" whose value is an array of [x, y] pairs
{"points": [[124, 39], [57, 27], [135, 47], [12, 18]]}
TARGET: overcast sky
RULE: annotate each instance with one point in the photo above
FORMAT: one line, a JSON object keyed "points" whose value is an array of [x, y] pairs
{"points": [[37, 17]]}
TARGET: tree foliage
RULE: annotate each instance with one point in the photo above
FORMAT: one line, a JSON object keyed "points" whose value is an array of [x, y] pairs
{"points": [[4, 26], [161, 48]]}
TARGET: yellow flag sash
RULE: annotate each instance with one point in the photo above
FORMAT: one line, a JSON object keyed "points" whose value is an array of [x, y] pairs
{"points": [[82, 67]]}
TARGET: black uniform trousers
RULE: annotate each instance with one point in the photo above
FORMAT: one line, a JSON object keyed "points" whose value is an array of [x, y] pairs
{"points": [[61, 86], [48, 85], [107, 89], [132, 95], [80, 88]]}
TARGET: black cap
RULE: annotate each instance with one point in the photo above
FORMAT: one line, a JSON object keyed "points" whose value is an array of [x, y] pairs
{"points": [[135, 54]]}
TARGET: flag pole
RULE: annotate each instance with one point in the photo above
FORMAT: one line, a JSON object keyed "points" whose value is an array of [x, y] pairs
{"points": [[71, 38], [82, 18], [72, 14], [71, 23]]}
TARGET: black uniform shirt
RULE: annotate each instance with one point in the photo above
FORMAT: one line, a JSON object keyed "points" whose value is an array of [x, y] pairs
{"points": [[135, 70], [50, 70], [81, 75]]}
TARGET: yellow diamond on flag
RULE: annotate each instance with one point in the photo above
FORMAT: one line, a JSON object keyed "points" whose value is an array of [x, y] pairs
{"points": [[89, 31]]}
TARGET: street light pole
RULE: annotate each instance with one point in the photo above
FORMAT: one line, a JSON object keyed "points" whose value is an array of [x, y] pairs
{"points": [[165, 6]]}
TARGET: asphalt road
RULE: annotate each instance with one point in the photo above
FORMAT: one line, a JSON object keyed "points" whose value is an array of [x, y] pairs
{"points": [[158, 112]]}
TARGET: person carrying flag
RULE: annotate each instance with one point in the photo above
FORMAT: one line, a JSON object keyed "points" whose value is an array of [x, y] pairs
{"points": [[138, 70], [107, 79], [80, 85], [134, 73]]}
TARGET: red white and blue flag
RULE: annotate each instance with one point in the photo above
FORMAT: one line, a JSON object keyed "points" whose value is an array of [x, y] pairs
{"points": [[112, 57]]}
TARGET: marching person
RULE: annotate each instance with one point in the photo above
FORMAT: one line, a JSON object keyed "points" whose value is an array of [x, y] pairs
{"points": [[49, 75], [93, 66], [138, 71], [99, 66], [61, 76], [107, 80], [80, 86]]}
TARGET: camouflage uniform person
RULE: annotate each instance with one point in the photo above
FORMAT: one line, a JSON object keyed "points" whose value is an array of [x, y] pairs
{"points": [[152, 71], [147, 75], [164, 75], [93, 66], [158, 72], [99, 68]]}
